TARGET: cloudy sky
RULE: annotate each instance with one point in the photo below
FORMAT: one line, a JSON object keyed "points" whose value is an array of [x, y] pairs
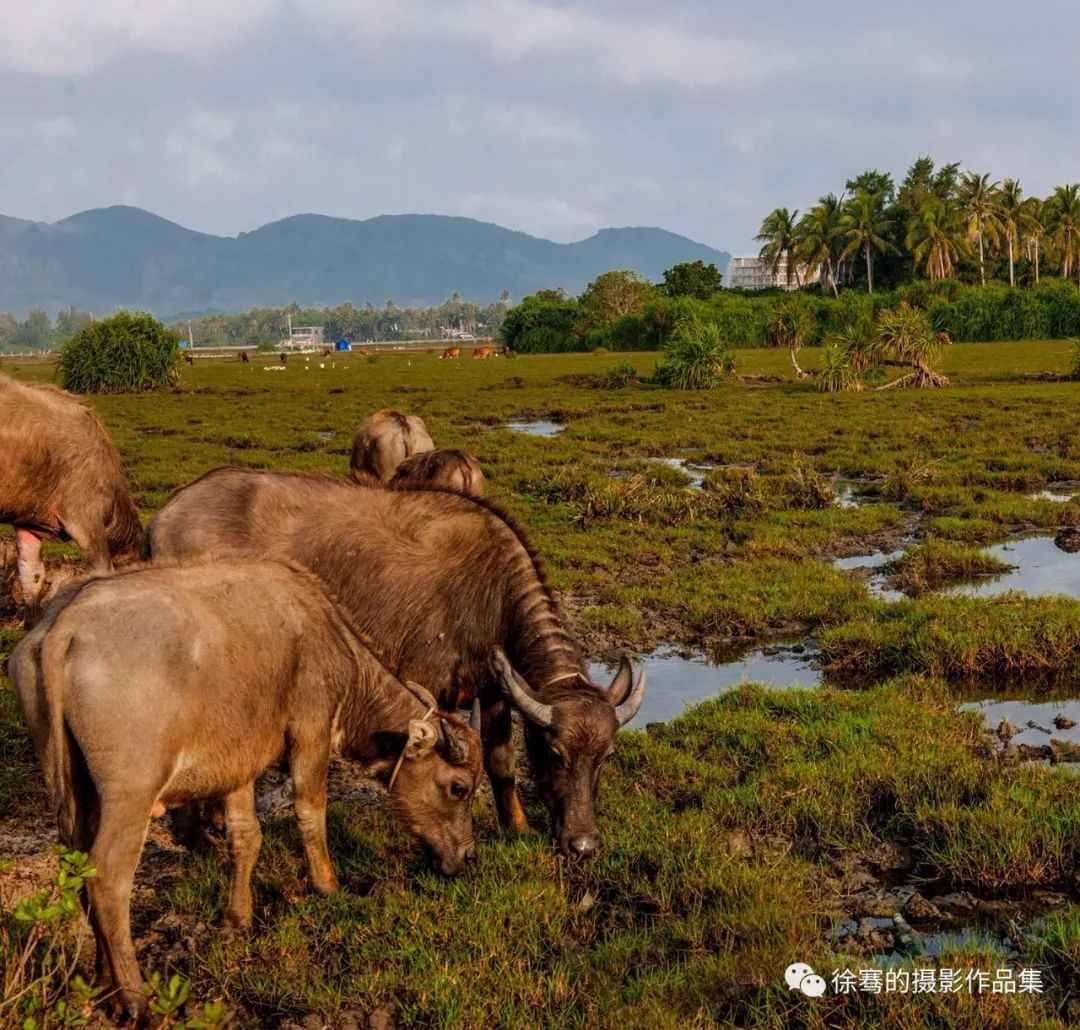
{"points": [[555, 118]]}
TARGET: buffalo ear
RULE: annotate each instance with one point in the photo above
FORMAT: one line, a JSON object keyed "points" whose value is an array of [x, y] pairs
{"points": [[421, 740]]}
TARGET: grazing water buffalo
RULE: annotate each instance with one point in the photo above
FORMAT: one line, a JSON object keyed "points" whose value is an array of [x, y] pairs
{"points": [[483, 352], [160, 686], [451, 352], [383, 441], [438, 580], [442, 467], [60, 479]]}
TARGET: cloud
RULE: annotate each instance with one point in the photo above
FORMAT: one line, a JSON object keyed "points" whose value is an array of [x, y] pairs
{"points": [[553, 117]]}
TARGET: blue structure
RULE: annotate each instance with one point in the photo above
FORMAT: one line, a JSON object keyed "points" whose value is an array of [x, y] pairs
{"points": [[343, 345]]}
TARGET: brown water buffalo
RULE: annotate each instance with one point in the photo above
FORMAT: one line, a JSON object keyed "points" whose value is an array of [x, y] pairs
{"points": [[160, 686], [442, 467], [483, 352], [60, 479], [451, 352], [438, 580], [383, 441]]}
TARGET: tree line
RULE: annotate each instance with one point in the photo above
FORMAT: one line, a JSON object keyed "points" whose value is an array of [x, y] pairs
{"points": [[37, 331], [940, 223]]}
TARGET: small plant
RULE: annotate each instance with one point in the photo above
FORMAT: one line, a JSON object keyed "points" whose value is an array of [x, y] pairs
{"points": [[837, 371], [733, 489], [805, 487], [696, 357], [129, 351], [910, 339], [623, 374], [40, 944]]}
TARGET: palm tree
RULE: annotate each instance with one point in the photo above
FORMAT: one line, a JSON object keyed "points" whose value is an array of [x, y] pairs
{"points": [[1010, 214], [779, 235], [977, 193], [907, 335], [820, 244], [1064, 208], [864, 225], [1034, 229], [935, 237]]}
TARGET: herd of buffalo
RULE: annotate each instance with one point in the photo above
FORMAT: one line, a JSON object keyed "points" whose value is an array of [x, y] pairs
{"points": [[276, 618]]}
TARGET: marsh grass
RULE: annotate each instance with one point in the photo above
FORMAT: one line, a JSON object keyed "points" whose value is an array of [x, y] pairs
{"points": [[676, 923], [940, 563]]}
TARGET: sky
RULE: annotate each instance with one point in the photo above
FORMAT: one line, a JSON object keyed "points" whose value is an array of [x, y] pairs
{"points": [[554, 118]]}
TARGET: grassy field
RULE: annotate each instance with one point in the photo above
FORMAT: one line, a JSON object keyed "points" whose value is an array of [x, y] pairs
{"points": [[741, 836]]}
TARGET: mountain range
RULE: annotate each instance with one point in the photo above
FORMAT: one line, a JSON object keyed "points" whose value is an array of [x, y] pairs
{"points": [[112, 257]]}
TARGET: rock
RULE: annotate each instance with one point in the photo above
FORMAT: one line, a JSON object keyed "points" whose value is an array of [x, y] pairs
{"points": [[1033, 725], [739, 844], [905, 940], [1062, 722], [1068, 540], [1006, 730], [889, 858], [1035, 752], [959, 901], [921, 910], [1064, 750]]}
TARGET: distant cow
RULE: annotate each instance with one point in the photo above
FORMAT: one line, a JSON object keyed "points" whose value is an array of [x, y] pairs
{"points": [[452, 352], [188, 359], [365, 352], [443, 467], [61, 479], [483, 352], [242, 357], [163, 686], [383, 441], [283, 357]]}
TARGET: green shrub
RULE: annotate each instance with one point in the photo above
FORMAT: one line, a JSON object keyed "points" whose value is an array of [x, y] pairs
{"points": [[128, 351], [696, 357]]}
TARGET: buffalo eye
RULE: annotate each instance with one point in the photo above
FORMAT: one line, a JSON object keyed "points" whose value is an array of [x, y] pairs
{"points": [[459, 790]]}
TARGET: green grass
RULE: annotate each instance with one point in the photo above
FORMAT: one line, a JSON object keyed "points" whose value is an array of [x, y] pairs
{"points": [[724, 831], [940, 563]]}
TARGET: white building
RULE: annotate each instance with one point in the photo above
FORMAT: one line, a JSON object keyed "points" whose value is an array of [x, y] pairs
{"points": [[303, 337], [751, 273]]}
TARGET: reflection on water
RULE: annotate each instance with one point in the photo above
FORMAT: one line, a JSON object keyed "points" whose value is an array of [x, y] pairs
{"points": [[1042, 567], [1036, 723], [540, 427], [676, 682]]}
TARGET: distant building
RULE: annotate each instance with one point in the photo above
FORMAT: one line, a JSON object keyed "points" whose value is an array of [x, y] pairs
{"points": [[303, 336], [751, 273]]}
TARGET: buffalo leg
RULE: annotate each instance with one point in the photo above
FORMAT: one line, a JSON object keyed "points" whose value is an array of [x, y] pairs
{"points": [[245, 839], [309, 764], [31, 568], [115, 855], [497, 731]]}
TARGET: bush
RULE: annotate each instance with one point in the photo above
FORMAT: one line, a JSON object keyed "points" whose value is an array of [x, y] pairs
{"points": [[131, 350], [696, 358]]}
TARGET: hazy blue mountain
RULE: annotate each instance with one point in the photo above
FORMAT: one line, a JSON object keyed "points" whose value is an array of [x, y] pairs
{"points": [[123, 256]]}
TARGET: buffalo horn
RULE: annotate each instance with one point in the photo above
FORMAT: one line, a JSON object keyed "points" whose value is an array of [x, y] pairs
{"points": [[535, 711]]}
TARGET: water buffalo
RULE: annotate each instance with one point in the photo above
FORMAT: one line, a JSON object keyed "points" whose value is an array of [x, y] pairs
{"points": [[438, 580], [444, 467], [160, 686], [61, 479], [483, 352], [383, 441], [451, 352]]}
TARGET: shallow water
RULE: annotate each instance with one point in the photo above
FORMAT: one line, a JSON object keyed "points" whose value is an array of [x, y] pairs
{"points": [[325, 434], [1033, 720], [540, 427], [676, 682], [874, 583], [1053, 495], [695, 470], [1041, 568], [850, 493]]}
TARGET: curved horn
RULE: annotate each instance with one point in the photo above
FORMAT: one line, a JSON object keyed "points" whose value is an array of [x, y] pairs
{"points": [[621, 684], [457, 751], [421, 693], [475, 720], [629, 708], [535, 711]]}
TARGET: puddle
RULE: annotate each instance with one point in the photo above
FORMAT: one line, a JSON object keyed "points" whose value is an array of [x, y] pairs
{"points": [[325, 434], [1062, 492], [540, 427], [676, 682], [1042, 567], [1040, 730], [696, 471], [850, 493], [865, 564]]}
